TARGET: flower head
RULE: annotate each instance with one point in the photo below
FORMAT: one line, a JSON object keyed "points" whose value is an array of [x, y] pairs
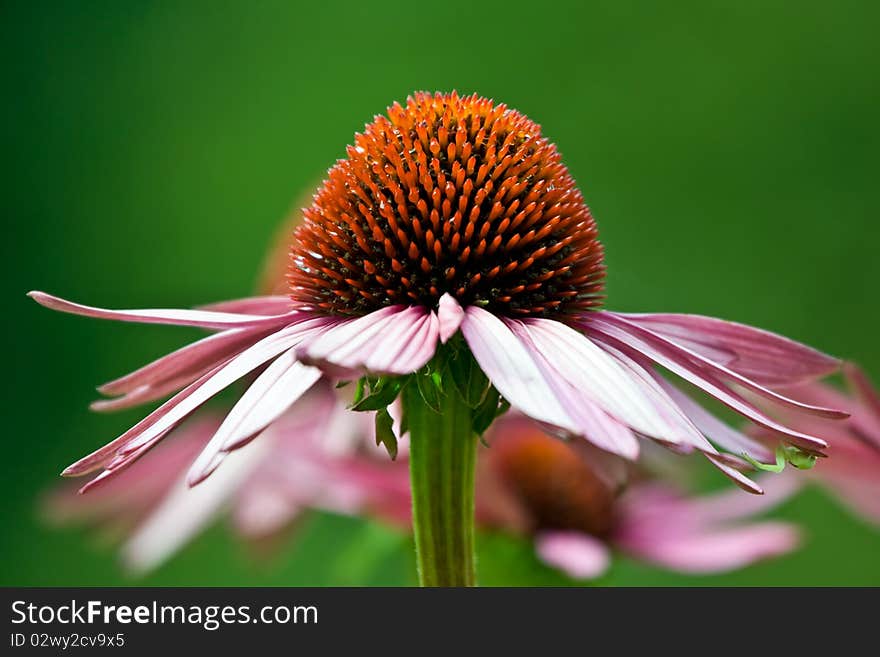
{"points": [[453, 215]]}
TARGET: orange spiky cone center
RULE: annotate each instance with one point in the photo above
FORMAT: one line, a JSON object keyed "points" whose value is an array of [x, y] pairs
{"points": [[448, 194]]}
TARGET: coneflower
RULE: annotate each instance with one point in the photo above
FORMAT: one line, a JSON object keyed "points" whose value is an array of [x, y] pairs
{"points": [[451, 261]]}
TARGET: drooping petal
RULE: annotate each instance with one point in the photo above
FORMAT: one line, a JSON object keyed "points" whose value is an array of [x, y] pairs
{"points": [[191, 361], [393, 340], [451, 314], [754, 353], [598, 376], [719, 371], [734, 474], [133, 442], [201, 318], [146, 393], [593, 423], [270, 395], [576, 554], [686, 369], [100, 457], [724, 435], [512, 370], [663, 403]]}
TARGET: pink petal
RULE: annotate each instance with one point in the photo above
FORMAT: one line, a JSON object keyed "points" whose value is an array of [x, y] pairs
{"points": [[597, 375], [133, 442], [270, 395], [576, 554], [734, 474], [101, 456], [594, 424], [393, 340], [190, 361], [663, 403], [267, 305], [719, 370], [759, 355], [451, 315], [729, 438], [512, 369], [146, 393], [667, 357], [201, 318]]}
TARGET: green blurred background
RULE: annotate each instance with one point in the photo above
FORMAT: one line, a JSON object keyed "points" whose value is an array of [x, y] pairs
{"points": [[728, 150]]}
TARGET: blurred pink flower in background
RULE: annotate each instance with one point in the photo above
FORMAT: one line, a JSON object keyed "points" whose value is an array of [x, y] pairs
{"points": [[578, 504]]}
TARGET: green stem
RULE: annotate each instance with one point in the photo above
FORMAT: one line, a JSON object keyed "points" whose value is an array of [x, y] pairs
{"points": [[442, 458]]}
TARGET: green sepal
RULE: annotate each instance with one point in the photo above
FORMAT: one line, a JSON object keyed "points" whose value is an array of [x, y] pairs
{"points": [[342, 384], [385, 432], [429, 389], [381, 392], [359, 390], [467, 377], [492, 407]]}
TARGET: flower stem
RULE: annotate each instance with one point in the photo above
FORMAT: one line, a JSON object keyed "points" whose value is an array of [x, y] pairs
{"points": [[442, 459]]}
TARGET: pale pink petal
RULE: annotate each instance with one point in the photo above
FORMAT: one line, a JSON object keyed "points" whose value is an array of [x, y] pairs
{"points": [[393, 340], [576, 554], [146, 393], [664, 405], [186, 511], [512, 370], [451, 315], [408, 343], [190, 361], [594, 373], [103, 455], [667, 357], [266, 305], [734, 474], [134, 442], [200, 318], [593, 423], [126, 497], [759, 355], [719, 432], [270, 395], [717, 370]]}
